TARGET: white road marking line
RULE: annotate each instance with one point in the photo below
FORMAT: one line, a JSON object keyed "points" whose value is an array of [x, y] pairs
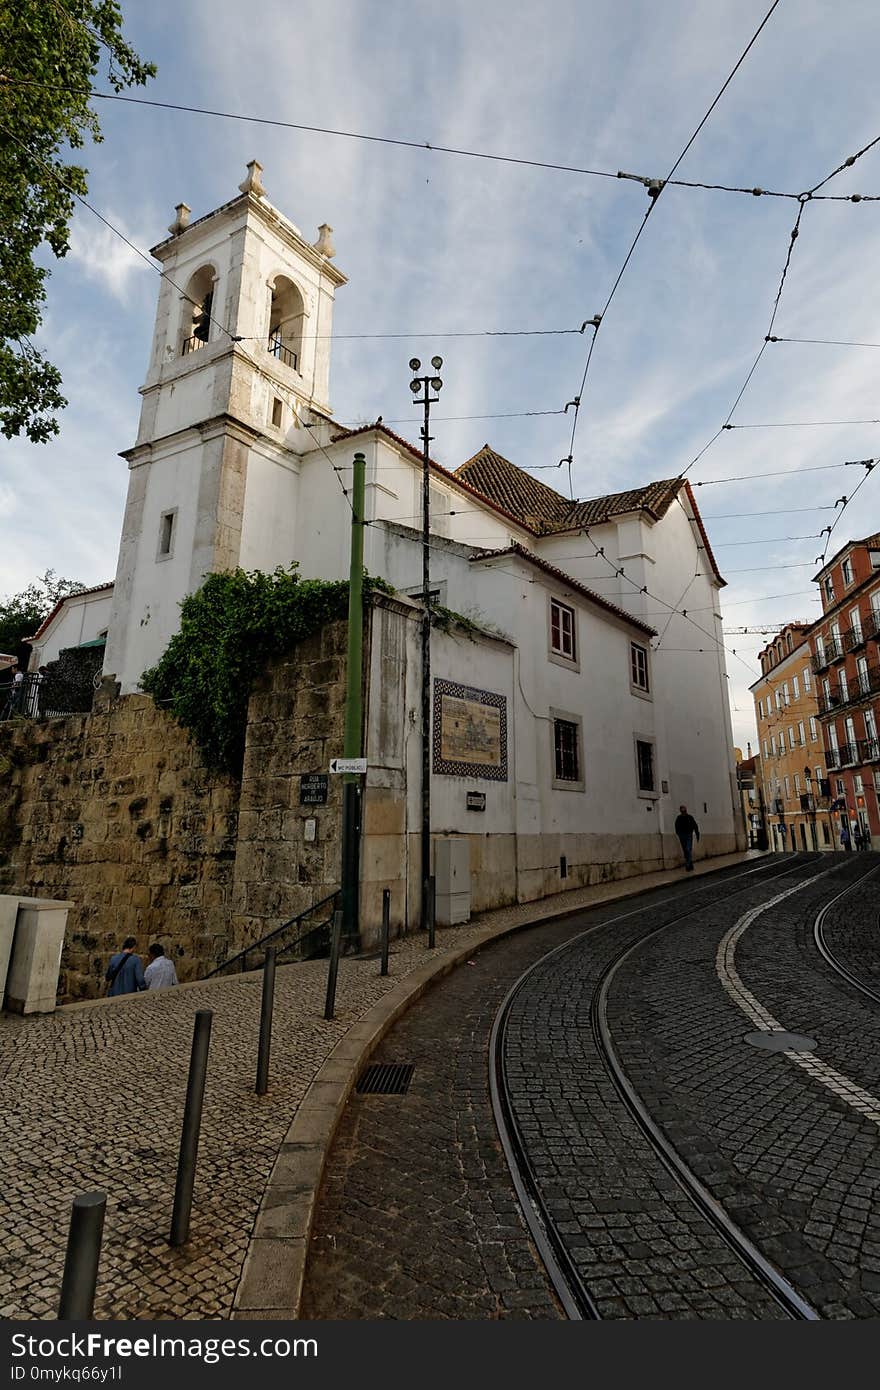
{"points": [[725, 968]]}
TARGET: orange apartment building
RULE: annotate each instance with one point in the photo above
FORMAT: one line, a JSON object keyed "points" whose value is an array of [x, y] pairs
{"points": [[797, 795], [845, 645]]}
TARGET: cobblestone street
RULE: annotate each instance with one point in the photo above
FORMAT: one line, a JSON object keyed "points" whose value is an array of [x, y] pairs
{"points": [[778, 1144]]}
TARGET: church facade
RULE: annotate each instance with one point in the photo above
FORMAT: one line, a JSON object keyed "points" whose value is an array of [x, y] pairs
{"points": [[575, 707]]}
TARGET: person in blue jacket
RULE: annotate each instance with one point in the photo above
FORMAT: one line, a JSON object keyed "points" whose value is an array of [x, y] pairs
{"points": [[125, 973]]}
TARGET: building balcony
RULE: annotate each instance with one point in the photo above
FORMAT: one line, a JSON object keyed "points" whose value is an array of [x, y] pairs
{"points": [[830, 702], [848, 754], [832, 758], [854, 638], [831, 651], [193, 344], [871, 625], [865, 684], [869, 750]]}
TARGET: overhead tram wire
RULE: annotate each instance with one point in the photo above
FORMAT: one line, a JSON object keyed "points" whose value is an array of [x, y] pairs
{"points": [[803, 198], [751, 191], [654, 189]]}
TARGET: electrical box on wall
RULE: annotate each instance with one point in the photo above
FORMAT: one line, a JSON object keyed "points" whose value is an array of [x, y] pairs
{"points": [[452, 874]]}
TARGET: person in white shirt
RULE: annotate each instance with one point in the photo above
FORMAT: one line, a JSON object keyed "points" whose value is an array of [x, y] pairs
{"points": [[160, 973]]}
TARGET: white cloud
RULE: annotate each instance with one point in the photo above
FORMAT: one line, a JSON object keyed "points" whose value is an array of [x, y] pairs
{"points": [[102, 255]]}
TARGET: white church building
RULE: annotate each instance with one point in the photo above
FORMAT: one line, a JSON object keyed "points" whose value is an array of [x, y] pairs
{"points": [[603, 709]]}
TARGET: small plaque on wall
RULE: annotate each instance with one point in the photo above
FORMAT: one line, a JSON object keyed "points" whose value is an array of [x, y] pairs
{"points": [[313, 789], [476, 801]]}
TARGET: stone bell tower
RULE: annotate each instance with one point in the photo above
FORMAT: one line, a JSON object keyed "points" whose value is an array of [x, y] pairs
{"points": [[241, 351]]}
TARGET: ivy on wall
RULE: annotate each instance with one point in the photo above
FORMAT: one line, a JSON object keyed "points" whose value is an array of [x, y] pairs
{"points": [[229, 630]]}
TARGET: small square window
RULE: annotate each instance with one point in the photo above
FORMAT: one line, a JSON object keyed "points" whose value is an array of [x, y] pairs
{"points": [[562, 630], [638, 657], [567, 752], [166, 533], [645, 765]]}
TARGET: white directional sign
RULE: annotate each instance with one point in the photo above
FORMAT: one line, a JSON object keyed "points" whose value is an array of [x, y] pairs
{"points": [[348, 764]]}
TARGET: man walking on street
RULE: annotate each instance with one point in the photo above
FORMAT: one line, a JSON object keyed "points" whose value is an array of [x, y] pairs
{"points": [[125, 973], [686, 828]]}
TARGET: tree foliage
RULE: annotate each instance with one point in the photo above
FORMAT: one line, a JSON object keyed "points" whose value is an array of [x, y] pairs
{"points": [[229, 629], [50, 53], [21, 615]]}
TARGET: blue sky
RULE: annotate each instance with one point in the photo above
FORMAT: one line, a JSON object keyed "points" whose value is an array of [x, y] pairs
{"points": [[434, 243]]}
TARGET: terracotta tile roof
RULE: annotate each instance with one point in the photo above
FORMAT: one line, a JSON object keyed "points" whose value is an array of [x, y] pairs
{"points": [[545, 510], [565, 579], [517, 491], [96, 589]]}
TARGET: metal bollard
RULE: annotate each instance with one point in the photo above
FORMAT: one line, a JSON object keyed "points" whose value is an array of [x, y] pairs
{"points": [[192, 1120], [335, 939], [266, 1022], [83, 1253], [432, 910], [386, 924]]}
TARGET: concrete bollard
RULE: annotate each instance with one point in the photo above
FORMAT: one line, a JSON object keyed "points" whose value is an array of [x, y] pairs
{"points": [[267, 1006], [386, 926]]}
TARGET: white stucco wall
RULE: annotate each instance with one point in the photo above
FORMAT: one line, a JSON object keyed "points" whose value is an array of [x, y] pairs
{"points": [[81, 618]]}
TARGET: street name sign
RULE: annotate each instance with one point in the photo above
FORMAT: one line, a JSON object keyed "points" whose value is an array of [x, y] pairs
{"points": [[348, 764]]}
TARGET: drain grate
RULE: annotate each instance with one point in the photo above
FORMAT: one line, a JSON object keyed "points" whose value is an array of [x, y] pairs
{"points": [[385, 1079]]}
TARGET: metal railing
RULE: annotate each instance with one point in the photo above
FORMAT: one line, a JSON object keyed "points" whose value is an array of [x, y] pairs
{"points": [[869, 750], [284, 354], [831, 651], [193, 344], [291, 940], [854, 637]]}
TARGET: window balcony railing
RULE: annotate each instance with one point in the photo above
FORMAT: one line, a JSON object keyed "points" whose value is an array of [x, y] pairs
{"points": [[832, 701], [854, 637], [283, 354], [832, 758], [848, 754], [869, 750], [871, 624], [831, 651], [862, 687], [193, 344]]}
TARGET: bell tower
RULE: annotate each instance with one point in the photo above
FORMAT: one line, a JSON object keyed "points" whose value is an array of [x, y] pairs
{"points": [[241, 350]]}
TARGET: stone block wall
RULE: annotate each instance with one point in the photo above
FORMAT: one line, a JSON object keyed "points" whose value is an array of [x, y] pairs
{"points": [[296, 724], [116, 811]]}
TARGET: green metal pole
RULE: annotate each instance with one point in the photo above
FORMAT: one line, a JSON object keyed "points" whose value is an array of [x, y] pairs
{"points": [[353, 706], [354, 684]]}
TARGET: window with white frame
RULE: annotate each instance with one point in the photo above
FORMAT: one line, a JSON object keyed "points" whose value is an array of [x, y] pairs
{"points": [[563, 641], [797, 784], [787, 782], [846, 571], [785, 693], [864, 678], [802, 738], [795, 688], [855, 624], [814, 733], [779, 699], [791, 736], [638, 661], [842, 686], [766, 751], [807, 681], [870, 724]]}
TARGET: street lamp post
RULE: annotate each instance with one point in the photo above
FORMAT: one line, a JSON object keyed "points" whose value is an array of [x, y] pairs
{"points": [[426, 384]]}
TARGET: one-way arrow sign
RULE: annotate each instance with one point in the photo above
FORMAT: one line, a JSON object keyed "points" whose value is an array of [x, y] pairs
{"points": [[348, 764]]}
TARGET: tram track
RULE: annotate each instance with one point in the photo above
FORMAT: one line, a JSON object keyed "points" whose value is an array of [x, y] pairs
{"points": [[830, 956], [571, 1287]]}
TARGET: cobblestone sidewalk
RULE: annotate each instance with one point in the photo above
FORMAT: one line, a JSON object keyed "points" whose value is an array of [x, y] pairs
{"points": [[92, 1097]]}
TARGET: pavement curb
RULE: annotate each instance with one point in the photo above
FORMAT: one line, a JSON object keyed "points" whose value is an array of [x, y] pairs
{"points": [[273, 1274]]}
